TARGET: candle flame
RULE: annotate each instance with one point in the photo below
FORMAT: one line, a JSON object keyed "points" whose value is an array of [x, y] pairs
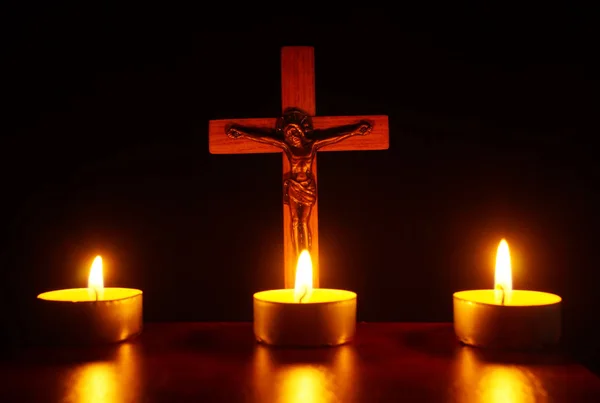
{"points": [[96, 279], [304, 281], [503, 275]]}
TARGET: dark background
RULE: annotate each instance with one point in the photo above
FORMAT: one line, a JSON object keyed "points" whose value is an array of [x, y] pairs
{"points": [[493, 117]]}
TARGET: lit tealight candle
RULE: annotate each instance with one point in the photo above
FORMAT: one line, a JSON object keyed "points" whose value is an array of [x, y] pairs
{"points": [[91, 315], [303, 316], [507, 318]]}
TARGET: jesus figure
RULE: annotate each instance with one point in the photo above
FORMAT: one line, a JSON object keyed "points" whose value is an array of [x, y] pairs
{"points": [[295, 135]]}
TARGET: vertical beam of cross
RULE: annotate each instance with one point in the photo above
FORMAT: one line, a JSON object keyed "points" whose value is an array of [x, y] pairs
{"points": [[298, 91]]}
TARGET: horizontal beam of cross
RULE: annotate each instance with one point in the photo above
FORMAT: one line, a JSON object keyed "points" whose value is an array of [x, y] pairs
{"points": [[219, 143]]}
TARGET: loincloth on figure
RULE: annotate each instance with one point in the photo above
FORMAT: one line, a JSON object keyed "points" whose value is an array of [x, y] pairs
{"points": [[300, 192]]}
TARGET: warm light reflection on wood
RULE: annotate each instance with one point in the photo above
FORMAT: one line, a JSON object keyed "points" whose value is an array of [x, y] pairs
{"points": [[305, 381], [509, 384], [485, 382], [305, 384], [114, 381], [218, 362], [94, 383]]}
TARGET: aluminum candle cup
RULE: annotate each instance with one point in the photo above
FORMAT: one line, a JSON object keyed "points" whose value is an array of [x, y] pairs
{"points": [[327, 318], [92, 315], [74, 316], [526, 320], [504, 317]]}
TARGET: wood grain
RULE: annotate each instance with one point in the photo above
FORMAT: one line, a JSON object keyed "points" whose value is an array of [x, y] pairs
{"points": [[298, 78], [298, 91], [220, 362]]}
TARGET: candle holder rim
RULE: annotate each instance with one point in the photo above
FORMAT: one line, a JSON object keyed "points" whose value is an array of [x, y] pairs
{"points": [[458, 298], [351, 296], [307, 346], [134, 295]]}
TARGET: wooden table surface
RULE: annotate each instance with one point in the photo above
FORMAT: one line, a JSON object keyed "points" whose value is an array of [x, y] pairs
{"points": [[219, 362]]}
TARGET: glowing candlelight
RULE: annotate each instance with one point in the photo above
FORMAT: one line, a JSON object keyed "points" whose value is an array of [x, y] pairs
{"points": [[96, 279], [504, 317], [304, 278], [304, 316], [503, 273], [95, 314]]}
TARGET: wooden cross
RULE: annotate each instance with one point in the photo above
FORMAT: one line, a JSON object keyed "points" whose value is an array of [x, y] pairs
{"points": [[298, 91]]}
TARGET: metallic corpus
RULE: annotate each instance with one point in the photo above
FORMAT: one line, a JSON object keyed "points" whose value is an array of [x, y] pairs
{"points": [[295, 135]]}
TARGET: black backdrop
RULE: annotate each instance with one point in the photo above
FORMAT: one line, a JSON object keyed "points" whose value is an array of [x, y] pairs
{"points": [[492, 121]]}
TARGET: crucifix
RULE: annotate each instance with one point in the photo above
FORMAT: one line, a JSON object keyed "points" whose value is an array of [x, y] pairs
{"points": [[298, 134]]}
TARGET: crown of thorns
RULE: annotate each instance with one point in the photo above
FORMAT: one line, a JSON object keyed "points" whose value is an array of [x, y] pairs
{"points": [[295, 117]]}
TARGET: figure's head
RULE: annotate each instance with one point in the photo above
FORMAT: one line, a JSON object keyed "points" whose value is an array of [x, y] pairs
{"points": [[295, 126], [294, 135]]}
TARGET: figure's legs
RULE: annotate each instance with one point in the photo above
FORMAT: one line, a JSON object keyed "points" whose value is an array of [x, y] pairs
{"points": [[286, 194], [295, 226], [300, 215], [304, 234]]}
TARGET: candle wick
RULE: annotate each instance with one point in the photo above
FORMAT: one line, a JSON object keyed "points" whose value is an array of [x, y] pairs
{"points": [[499, 287], [303, 294], [96, 292]]}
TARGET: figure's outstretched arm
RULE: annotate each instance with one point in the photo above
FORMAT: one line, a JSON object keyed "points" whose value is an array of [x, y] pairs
{"points": [[258, 134], [333, 135]]}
